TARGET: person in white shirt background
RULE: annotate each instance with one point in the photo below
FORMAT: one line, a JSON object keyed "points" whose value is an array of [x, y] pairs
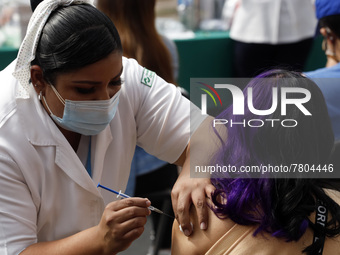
{"points": [[271, 33]]}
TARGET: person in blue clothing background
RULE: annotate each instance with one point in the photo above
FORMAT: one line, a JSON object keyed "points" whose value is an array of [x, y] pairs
{"points": [[328, 78]]}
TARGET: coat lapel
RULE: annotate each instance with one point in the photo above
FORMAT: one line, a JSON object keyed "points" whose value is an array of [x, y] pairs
{"points": [[102, 142], [48, 134], [69, 162]]}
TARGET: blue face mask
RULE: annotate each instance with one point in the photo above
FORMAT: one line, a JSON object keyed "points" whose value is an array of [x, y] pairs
{"points": [[86, 117]]}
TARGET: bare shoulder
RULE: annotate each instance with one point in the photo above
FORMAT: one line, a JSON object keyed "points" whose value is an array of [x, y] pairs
{"points": [[200, 241]]}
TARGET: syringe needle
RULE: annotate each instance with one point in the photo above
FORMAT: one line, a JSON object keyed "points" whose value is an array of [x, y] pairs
{"points": [[159, 211], [122, 195]]}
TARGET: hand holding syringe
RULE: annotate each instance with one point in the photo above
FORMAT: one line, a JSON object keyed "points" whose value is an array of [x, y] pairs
{"points": [[122, 195]]}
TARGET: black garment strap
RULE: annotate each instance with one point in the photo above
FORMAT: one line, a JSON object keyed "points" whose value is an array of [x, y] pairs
{"points": [[320, 220]]}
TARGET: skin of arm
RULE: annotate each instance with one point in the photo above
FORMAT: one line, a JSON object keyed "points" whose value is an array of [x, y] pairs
{"points": [[201, 240], [122, 222]]}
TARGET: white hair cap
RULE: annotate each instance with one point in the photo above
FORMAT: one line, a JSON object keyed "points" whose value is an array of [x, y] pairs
{"points": [[29, 44]]}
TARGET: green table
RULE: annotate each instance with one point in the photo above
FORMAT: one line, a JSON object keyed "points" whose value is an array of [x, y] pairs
{"points": [[7, 55], [209, 55]]}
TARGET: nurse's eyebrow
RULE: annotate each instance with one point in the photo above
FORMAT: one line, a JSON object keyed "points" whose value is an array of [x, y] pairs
{"points": [[98, 82]]}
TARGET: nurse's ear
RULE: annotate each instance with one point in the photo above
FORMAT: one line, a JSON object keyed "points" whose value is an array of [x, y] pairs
{"points": [[38, 80]]}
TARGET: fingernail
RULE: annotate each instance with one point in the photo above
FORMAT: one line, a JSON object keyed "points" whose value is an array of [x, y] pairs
{"points": [[186, 232], [203, 226], [148, 203]]}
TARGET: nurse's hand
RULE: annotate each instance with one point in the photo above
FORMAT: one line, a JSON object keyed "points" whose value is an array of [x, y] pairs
{"points": [[122, 222], [194, 190], [187, 191]]}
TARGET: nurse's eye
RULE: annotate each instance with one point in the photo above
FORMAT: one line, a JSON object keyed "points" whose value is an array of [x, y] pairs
{"points": [[118, 82], [85, 90]]}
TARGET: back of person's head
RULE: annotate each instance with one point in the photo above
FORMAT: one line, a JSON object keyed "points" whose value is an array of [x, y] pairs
{"points": [[140, 14], [279, 206], [73, 37], [331, 22], [135, 21], [293, 136]]}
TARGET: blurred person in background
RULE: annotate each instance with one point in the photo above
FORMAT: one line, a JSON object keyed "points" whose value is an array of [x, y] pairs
{"points": [[327, 78], [135, 21], [7, 8], [14, 17], [271, 33]]}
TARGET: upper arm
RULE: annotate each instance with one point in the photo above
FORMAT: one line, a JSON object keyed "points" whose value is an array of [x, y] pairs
{"points": [[200, 241], [180, 161], [163, 119], [195, 244]]}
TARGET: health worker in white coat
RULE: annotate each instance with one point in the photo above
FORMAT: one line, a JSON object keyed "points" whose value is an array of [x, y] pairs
{"points": [[72, 110], [272, 33]]}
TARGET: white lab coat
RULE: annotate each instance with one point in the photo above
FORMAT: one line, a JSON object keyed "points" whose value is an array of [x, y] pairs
{"points": [[273, 21], [46, 193]]}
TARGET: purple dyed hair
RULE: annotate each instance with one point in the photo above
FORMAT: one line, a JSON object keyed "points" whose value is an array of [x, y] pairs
{"points": [[277, 206]]}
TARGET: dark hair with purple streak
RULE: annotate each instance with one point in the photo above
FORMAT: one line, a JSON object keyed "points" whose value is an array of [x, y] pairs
{"points": [[279, 206]]}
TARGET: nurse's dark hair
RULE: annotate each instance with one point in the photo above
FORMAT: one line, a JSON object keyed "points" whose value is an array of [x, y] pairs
{"points": [[73, 37], [333, 22]]}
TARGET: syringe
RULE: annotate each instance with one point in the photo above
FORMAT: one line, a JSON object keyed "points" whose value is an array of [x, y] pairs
{"points": [[122, 195]]}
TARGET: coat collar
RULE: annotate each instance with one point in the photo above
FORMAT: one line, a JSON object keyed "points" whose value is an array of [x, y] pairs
{"points": [[43, 131]]}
